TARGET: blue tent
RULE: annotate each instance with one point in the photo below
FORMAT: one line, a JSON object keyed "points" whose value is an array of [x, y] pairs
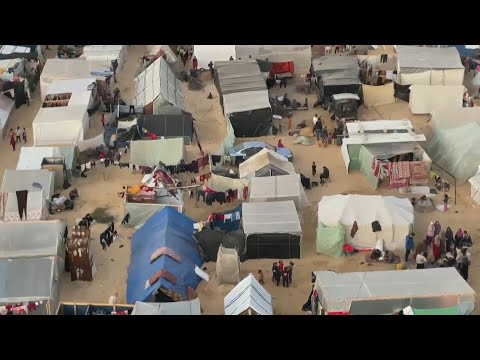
{"points": [[172, 230], [464, 52]]}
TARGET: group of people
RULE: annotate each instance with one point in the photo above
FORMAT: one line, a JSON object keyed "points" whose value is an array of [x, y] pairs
{"points": [[324, 175], [320, 131], [16, 136], [185, 55], [279, 273], [453, 246]]}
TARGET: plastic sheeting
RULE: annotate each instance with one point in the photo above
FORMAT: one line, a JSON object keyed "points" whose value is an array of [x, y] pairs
{"points": [[32, 239], [228, 266], [92, 143], [475, 186], [223, 183], [279, 217], [426, 99], [106, 53], [457, 151], [17, 180], [151, 152], [265, 158], [347, 65], [173, 308], [451, 117], [300, 55], [395, 216], [248, 294], [170, 122], [172, 230], [6, 107], [330, 240], [387, 292]]}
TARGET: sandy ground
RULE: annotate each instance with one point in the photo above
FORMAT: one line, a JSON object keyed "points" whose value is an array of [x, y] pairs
{"points": [[112, 264]]}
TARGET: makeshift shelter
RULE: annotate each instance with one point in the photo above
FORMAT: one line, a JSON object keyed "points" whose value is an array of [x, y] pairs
{"points": [[79, 255], [228, 266], [278, 188], [265, 163], [156, 87], [386, 150], [191, 307], [80, 309], [475, 186], [244, 97], [64, 124], [210, 241], [164, 257], [285, 59], [376, 217], [248, 298], [70, 69], [32, 239], [12, 67], [233, 222], [31, 188], [6, 107], [106, 53], [30, 281], [213, 53], [426, 99], [453, 117], [456, 150], [150, 152], [141, 207], [169, 122], [272, 230], [429, 66], [388, 292]]}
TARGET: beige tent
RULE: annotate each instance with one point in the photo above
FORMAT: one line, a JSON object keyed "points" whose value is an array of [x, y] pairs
{"points": [[265, 163], [425, 99], [228, 266]]}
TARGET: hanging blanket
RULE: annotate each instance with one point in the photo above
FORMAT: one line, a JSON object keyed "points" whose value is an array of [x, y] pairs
{"points": [[399, 174], [418, 173]]}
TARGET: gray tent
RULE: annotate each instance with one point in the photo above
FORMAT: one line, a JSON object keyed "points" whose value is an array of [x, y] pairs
{"points": [[150, 152], [30, 280], [191, 307], [17, 180], [32, 239]]}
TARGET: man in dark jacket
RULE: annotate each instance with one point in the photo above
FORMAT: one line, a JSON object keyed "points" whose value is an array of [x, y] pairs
{"points": [[324, 175]]}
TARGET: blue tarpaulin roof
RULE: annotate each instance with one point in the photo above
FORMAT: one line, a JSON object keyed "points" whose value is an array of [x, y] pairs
{"points": [[170, 229]]}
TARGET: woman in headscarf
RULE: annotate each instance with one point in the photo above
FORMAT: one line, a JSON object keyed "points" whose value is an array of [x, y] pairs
{"points": [[449, 239], [431, 233], [438, 228], [458, 237], [437, 248]]}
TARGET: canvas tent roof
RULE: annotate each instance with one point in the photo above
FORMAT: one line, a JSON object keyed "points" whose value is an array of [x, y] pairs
{"points": [[450, 117], [172, 308], [70, 85], [6, 107], [17, 180], [158, 80], [31, 239], [428, 58], [27, 279], [169, 229], [263, 159], [150, 152], [31, 157], [339, 290], [170, 122], [463, 155], [278, 188], [248, 294], [242, 86], [364, 209], [300, 55], [382, 131], [332, 64], [278, 217], [105, 53]]}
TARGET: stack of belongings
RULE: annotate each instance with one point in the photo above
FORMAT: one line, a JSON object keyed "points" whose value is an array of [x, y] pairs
{"points": [[79, 255], [399, 173]]}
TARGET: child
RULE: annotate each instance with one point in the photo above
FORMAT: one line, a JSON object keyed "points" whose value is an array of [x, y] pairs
{"points": [[445, 202], [260, 277], [314, 168]]}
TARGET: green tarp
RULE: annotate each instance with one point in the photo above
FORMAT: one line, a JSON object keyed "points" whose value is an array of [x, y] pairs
{"points": [[330, 240]]}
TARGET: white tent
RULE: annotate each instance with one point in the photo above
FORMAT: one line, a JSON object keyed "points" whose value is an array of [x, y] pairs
{"points": [[475, 186], [106, 53], [425, 99], [248, 297], [278, 188], [207, 53], [388, 292], [158, 86], [429, 66], [32, 239], [452, 117], [6, 107], [73, 86], [65, 69], [150, 152], [265, 163], [172, 308], [31, 157], [64, 125], [395, 216]]}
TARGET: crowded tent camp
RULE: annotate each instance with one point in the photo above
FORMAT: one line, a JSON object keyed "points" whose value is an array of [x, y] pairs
{"points": [[239, 179]]}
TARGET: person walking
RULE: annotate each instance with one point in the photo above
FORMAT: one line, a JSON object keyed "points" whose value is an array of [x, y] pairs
{"points": [[463, 263], [260, 277], [274, 270], [314, 169], [290, 271], [18, 135], [449, 239], [11, 133], [430, 233], [194, 63], [13, 143], [280, 265], [445, 202], [408, 245], [285, 277], [24, 135]]}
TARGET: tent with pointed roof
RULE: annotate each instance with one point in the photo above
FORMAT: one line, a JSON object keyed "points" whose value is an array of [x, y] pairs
{"points": [[248, 298]]}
